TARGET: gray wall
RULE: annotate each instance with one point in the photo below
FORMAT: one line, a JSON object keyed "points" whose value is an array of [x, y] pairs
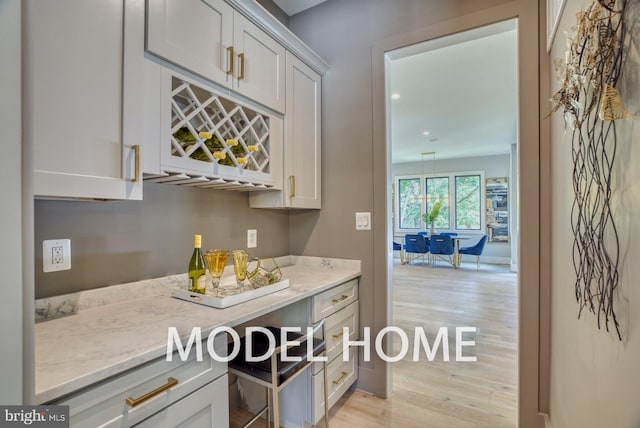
{"points": [[114, 242], [11, 324], [595, 377], [346, 33], [273, 8], [493, 166]]}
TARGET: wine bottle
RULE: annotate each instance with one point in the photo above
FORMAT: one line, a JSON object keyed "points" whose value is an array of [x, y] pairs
{"points": [[197, 269]]}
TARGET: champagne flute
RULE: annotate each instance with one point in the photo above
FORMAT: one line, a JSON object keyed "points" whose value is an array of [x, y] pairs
{"points": [[240, 261]]}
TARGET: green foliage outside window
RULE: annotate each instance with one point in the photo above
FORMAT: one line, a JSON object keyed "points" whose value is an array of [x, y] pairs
{"points": [[438, 190], [409, 203], [468, 202]]}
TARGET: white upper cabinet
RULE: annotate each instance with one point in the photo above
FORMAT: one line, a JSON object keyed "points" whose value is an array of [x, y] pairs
{"points": [[302, 152], [73, 76], [210, 39], [260, 64], [194, 34], [302, 163]]}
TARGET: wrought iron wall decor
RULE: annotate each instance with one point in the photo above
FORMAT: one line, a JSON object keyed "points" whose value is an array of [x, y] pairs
{"points": [[591, 104]]}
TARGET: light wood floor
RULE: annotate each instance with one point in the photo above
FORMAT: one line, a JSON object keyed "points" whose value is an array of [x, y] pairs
{"points": [[447, 394]]}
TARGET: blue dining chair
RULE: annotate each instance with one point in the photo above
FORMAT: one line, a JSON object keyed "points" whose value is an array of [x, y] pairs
{"points": [[449, 233], [440, 246], [415, 245], [475, 250]]}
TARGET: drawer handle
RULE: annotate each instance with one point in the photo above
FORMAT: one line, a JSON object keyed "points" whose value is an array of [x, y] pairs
{"points": [[339, 335], [135, 401], [340, 299], [341, 379]]}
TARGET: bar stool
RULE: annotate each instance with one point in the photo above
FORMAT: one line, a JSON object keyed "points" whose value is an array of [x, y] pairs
{"points": [[275, 374]]}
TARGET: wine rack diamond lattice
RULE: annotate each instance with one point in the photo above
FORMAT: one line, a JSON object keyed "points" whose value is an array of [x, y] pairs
{"points": [[207, 127]]}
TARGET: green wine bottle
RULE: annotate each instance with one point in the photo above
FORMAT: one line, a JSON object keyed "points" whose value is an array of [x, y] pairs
{"points": [[197, 268]]}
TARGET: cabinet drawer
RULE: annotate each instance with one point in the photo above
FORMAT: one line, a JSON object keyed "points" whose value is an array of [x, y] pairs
{"points": [[104, 405], [331, 301], [208, 407], [347, 317], [341, 375]]}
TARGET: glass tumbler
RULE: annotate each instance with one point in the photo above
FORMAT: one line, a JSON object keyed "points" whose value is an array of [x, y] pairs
{"points": [[240, 261], [216, 260]]}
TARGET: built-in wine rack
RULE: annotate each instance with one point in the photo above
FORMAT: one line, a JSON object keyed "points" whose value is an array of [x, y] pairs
{"points": [[213, 141]]}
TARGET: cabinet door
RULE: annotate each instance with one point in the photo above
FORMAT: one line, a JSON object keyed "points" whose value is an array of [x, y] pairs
{"points": [[194, 34], [302, 137], [301, 177], [207, 407], [260, 64], [73, 103]]}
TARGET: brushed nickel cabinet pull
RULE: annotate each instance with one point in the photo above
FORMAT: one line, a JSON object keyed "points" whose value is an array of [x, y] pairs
{"points": [[341, 379], [135, 401]]}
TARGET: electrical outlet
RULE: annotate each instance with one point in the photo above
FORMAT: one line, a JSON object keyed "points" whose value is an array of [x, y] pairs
{"points": [[252, 238], [56, 255]]}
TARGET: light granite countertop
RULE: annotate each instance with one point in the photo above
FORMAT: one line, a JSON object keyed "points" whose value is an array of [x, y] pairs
{"points": [[109, 330]]}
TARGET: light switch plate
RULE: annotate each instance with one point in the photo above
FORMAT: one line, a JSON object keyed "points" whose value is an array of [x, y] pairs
{"points": [[252, 238], [56, 255], [363, 221]]}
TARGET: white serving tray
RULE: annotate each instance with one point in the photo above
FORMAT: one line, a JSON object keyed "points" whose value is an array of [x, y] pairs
{"points": [[221, 302]]}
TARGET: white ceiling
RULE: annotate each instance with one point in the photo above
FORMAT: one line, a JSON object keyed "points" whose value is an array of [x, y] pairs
{"points": [[462, 89], [291, 7]]}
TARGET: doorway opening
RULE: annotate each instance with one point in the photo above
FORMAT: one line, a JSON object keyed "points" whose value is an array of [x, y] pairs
{"points": [[452, 123]]}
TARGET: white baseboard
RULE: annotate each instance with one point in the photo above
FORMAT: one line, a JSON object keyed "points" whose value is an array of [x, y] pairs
{"points": [[490, 260], [547, 420]]}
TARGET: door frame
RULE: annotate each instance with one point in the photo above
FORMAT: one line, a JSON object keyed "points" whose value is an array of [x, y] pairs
{"points": [[534, 196]]}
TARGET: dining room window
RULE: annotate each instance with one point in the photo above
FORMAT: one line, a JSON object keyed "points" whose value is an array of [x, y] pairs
{"points": [[468, 206], [438, 191], [409, 204], [459, 193]]}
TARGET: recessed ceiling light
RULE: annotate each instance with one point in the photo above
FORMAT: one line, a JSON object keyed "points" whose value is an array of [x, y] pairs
{"points": [[425, 133], [395, 96]]}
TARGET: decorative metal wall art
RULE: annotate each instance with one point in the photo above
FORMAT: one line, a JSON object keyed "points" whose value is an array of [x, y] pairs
{"points": [[497, 209], [591, 104]]}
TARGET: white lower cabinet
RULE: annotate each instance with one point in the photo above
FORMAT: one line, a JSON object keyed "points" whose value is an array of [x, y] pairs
{"points": [[339, 307], [340, 376], [206, 408], [176, 390]]}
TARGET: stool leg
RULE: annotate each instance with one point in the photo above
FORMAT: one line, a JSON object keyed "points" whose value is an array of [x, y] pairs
{"points": [[275, 389], [326, 394], [268, 409]]}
